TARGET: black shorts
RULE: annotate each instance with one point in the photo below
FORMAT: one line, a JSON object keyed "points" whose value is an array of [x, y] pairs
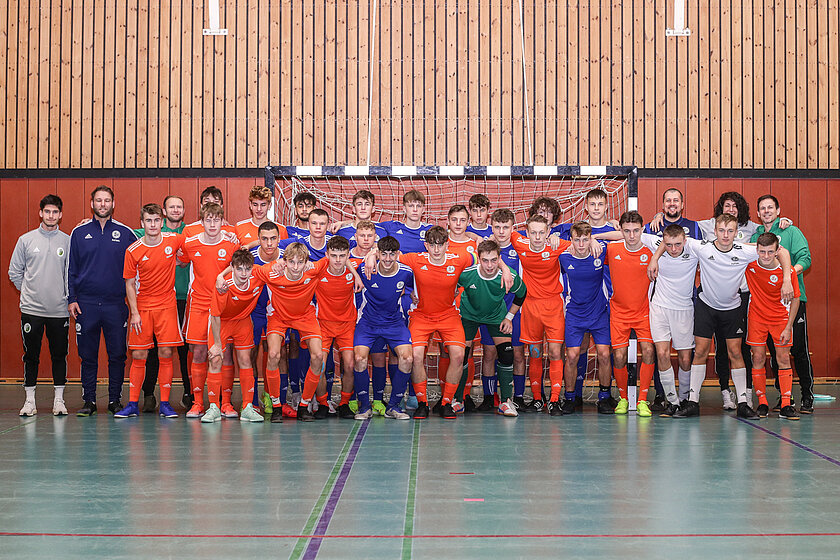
{"points": [[708, 321]]}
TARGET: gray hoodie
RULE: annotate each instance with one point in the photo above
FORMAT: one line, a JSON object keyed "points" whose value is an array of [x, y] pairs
{"points": [[39, 270]]}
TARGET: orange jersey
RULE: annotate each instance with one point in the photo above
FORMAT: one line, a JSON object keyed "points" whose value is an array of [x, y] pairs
{"points": [[335, 296], [766, 293], [247, 232], [236, 303], [463, 248], [193, 229], [154, 268], [540, 269], [207, 262], [436, 282], [628, 272], [290, 299]]}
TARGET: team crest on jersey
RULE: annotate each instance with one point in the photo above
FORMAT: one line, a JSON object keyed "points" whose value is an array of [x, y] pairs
{"points": [[27, 327], [167, 250], [78, 327], [685, 229], [450, 268], [545, 254], [422, 234], [60, 251], [400, 285], [734, 259], [597, 262], [348, 276], [222, 253], [686, 256], [774, 278], [470, 249], [643, 258], [511, 252], [115, 234]]}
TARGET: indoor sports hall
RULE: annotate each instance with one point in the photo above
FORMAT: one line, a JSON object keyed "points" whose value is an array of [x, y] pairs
{"points": [[670, 111]]}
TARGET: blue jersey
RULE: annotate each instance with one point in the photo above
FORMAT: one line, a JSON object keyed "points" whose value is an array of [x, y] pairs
{"points": [[565, 231], [295, 233], [586, 291], [382, 296], [97, 256], [348, 232], [412, 240], [511, 258], [262, 301], [486, 232], [690, 227], [314, 254]]}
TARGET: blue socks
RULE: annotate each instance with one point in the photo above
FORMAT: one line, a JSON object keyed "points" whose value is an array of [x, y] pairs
{"points": [[361, 384], [379, 375], [518, 385], [399, 382]]}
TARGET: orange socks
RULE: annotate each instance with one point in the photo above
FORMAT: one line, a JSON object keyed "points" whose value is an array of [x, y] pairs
{"points": [[448, 392], [645, 379], [309, 387], [759, 379], [198, 376], [246, 383], [555, 374], [135, 379], [214, 386], [420, 391], [535, 376], [785, 385], [443, 368], [345, 398], [621, 380], [272, 383], [227, 383], [165, 378]]}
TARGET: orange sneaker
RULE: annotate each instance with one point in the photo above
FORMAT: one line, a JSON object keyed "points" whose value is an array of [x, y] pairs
{"points": [[228, 411], [289, 412], [196, 411]]}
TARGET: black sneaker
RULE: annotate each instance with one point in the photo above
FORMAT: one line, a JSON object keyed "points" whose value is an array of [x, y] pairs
{"points": [[746, 412], [114, 407], [687, 409], [277, 415], [537, 405], [605, 407], [763, 410], [422, 411], [447, 412], [345, 413], [469, 405], [659, 404], [669, 410], [519, 403], [436, 408], [807, 406], [88, 409], [567, 407], [789, 413], [187, 400], [303, 414], [554, 408], [486, 405], [149, 403], [579, 402], [321, 412], [612, 402]]}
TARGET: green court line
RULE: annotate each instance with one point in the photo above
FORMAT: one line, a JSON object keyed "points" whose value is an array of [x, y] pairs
{"points": [[18, 426], [408, 528], [318, 508]]}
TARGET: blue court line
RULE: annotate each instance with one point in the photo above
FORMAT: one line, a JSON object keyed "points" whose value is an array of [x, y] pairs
{"points": [[831, 460]]}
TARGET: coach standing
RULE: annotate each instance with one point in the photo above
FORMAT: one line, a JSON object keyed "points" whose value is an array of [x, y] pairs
{"points": [[96, 296], [39, 270]]}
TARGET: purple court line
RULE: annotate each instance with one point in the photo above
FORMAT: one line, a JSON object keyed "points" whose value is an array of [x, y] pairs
{"points": [[831, 460], [324, 522]]}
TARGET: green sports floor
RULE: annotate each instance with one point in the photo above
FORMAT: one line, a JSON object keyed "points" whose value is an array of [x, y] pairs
{"points": [[477, 487]]}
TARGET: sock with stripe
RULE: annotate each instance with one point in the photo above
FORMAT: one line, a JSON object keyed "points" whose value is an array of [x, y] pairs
{"points": [[698, 375], [669, 388], [448, 393], [489, 382]]}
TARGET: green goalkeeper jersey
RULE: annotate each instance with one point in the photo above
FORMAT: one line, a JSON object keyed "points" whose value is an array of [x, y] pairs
{"points": [[483, 300]]}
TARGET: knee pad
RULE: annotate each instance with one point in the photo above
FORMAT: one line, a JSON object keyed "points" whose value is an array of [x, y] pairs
{"points": [[504, 353], [535, 350]]}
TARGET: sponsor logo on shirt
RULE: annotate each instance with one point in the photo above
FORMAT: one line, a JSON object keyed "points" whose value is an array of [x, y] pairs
{"points": [[450, 268], [472, 287], [643, 258], [197, 254], [774, 278], [37, 250], [545, 254], [374, 285], [597, 263], [306, 281], [145, 258], [222, 253], [572, 267], [324, 279], [167, 250], [348, 276], [424, 267], [734, 259], [88, 236], [618, 257], [511, 252], [400, 285]]}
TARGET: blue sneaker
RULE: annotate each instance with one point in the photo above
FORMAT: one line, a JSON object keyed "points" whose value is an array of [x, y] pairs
{"points": [[167, 411], [131, 410], [410, 402]]}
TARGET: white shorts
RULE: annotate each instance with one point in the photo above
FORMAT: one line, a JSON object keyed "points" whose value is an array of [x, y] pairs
{"points": [[674, 325]]}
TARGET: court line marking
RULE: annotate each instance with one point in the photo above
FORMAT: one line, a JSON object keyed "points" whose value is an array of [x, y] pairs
{"points": [[831, 460], [7, 430], [408, 527], [324, 522], [319, 504]]}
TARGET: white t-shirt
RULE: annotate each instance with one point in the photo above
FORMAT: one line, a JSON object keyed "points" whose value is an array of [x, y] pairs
{"points": [[674, 286], [745, 232], [721, 273]]}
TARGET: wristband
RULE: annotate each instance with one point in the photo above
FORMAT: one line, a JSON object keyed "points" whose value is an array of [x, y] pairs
{"points": [[509, 316]]}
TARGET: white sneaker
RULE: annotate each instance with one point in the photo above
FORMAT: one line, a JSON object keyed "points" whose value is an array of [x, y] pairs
{"points": [[728, 400], [507, 408], [213, 414], [396, 414], [457, 407], [366, 415], [58, 408], [333, 410], [250, 415], [29, 409]]}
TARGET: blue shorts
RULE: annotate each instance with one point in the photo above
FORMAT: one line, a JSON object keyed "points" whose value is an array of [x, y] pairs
{"points": [[598, 327], [377, 337], [260, 325], [487, 340]]}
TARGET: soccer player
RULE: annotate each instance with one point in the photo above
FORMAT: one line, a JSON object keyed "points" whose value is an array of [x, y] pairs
{"points": [[587, 311], [672, 214], [363, 205], [230, 324], [792, 239], [210, 194], [549, 209], [411, 231], [209, 252], [770, 317], [304, 203], [38, 269], [381, 317], [483, 304], [259, 203], [96, 296], [479, 208], [149, 273], [722, 266]]}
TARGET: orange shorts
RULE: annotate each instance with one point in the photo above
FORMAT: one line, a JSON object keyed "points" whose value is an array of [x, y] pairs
{"points": [[306, 325], [448, 326], [757, 331], [620, 330], [240, 332], [339, 331], [196, 323], [156, 323], [542, 316]]}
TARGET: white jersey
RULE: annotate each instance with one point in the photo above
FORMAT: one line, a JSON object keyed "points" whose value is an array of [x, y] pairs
{"points": [[721, 273], [674, 287], [745, 232]]}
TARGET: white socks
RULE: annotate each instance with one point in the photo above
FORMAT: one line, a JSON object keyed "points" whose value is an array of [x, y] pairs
{"points": [[59, 392], [739, 379], [30, 393], [667, 380], [685, 382], [698, 375]]}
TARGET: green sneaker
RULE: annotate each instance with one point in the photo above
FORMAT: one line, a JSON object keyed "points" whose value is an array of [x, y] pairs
{"points": [[354, 406], [642, 409], [379, 408], [622, 406], [250, 415], [266, 402], [213, 414]]}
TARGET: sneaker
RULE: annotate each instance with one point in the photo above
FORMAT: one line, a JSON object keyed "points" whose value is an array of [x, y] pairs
{"points": [[332, 411], [458, 407], [195, 411], [446, 412], [535, 405], [266, 402], [728, 399], [659, 403], [396, 414], [88, 409], [228, 411], [807, 406], [410, 402], [249, 414], [303, 414], [187, 401], [486, 405], [622, 407], [507, 408], [643, 410], [321, 412], [59, 408], [366, 415], [167, 411], [345, 412], [670, 410], [129, 411], [554, 408], [28, 409], [469, 405], [568, 406], [579, 402], [606, 407], [519, 403], [778, 406], [789, 413], [213, 414], [288, 411], [276, 416], [149, 403], [763, 410], [114, 407], [422, 411], [749, 396], [354, 406], [687, 409], [436, 408], [379, 408], [746, 412]]}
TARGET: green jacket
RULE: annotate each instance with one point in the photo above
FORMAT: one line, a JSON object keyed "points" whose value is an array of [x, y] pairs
{"points": [[795, 242], [182, 273]]}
